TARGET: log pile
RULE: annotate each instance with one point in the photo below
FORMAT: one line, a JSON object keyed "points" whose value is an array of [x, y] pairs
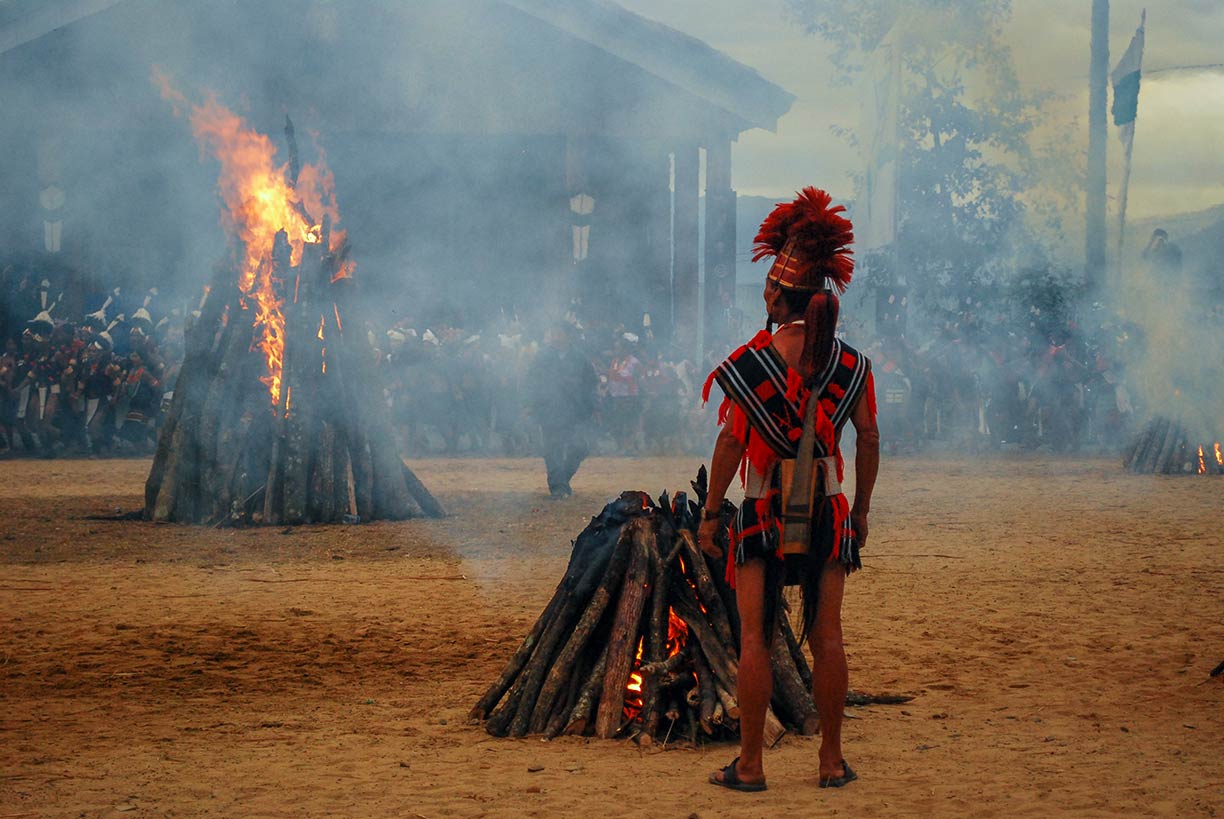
{"points": [[640, 639], [325, 452], [1167, 446]]}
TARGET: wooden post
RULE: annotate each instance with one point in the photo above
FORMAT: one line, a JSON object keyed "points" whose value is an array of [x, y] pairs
{"points": [[588, 697], [626, 633], [684, 246], [658, 251], [563, 663], [719, 246]]}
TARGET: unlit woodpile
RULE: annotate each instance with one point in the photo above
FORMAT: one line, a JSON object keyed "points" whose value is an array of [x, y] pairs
{"points": [[1167, 447], [226, 454], [640, 640]]}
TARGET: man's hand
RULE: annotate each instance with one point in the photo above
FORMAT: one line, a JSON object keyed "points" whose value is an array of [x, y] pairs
{"points": [[705, 537], [858, 521]]}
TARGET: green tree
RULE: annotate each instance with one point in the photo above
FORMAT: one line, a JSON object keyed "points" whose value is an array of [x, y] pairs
{"points": [[964, 161]]}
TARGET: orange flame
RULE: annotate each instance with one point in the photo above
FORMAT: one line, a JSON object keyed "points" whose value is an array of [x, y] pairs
{"points": [[1219, 455], [677, 633], [260, 201], [1202, 463], [677, 637], [633, 689], [346, 269]]}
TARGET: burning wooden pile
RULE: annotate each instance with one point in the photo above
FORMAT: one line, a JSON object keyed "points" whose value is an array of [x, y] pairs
{"points": [[640, 639], [278, 414], [1168, 447]]}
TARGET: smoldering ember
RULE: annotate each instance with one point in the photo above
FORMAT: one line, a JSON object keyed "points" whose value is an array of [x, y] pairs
{"points": [[522, 407]]}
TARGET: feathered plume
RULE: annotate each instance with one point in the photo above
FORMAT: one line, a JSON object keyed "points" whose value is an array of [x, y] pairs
{"points": [[820, 232]]}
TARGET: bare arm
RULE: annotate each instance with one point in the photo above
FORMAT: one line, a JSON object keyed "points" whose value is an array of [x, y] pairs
{"points": [[866, 466], [728, 452]]}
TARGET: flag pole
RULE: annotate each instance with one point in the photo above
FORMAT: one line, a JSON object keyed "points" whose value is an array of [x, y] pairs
{"points": [[1128, 137], [1098, 84], [1122, 197]]}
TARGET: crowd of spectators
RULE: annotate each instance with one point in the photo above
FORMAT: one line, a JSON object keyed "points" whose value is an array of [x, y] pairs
{"points": [[82, 383], [974, 385], [96, 379], [453, 389], [977, 385]]}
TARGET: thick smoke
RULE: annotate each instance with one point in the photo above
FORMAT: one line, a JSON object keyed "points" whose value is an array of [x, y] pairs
{"points": [[446, 125], [458, 134]]}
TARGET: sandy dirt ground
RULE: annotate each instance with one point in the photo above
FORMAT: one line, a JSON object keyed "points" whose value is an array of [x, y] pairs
{"points": [[1055, 620]]}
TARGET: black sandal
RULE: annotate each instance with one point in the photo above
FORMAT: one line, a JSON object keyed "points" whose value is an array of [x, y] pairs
{"points": [[846, 778], [730, 779]]}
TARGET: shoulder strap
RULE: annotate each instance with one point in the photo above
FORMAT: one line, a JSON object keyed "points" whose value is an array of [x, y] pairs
{"points": [[799, 499]]}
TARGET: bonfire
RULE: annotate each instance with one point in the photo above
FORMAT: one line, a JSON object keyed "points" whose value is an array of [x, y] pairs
{"points": [[277, 415], [1169, 447], [640, 640]]}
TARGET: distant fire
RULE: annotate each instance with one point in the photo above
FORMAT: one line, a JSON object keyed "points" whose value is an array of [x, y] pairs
{"points": [[260, 202], [1168, 446], [1205, 458]]}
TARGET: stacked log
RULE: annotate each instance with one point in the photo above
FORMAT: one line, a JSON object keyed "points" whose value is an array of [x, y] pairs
{"points": [[640, 639], [1167, 446], [324, 453]]}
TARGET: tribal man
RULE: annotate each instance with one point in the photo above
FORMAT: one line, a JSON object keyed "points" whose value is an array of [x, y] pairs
{"points": [[789, 393]]}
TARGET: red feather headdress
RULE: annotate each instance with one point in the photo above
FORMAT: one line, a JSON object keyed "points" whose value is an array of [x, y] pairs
{"points": [[809, 242]]}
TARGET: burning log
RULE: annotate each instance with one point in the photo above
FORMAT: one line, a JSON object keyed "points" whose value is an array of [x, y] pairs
{"points": [[517, 690], [582, 632], [302, 448], [1169, 447], [626, 634], [638, 641], [278, 414]]}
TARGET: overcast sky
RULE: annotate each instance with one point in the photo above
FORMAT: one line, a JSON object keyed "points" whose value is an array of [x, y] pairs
{"points": [[1178, 159]]}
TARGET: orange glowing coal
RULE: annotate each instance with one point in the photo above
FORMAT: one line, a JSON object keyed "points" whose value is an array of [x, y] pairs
{"points": [[633, 689], [260, 202], [677, 633], [677, 637]]}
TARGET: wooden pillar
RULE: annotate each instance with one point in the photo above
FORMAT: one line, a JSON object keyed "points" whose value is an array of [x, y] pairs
{"points": [[658, 250], [580, 234], [719, 299], [684, 246]]}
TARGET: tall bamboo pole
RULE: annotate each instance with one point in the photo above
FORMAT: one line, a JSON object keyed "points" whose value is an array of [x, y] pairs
{"points": [[1098, 82]]}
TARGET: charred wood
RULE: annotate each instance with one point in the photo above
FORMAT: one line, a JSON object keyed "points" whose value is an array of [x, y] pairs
{"points": [[625, 638]]}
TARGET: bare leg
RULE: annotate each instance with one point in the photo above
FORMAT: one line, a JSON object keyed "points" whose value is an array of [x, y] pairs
{"points": [[830, 678], [755, 672]]}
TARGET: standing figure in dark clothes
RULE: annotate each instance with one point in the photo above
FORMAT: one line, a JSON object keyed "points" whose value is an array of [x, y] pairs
{"points": [[562, 386], [1163, 257]]}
